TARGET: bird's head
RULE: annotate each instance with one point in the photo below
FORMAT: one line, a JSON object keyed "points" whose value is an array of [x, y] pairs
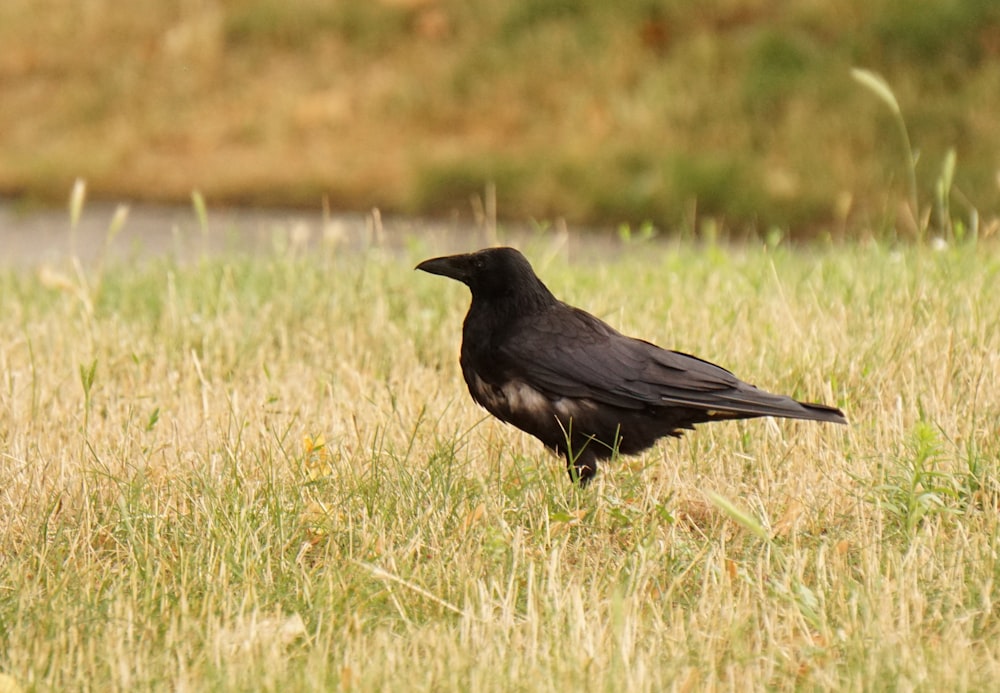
{"points": [[491, 274]]}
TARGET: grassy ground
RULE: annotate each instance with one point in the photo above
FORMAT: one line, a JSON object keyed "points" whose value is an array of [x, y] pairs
{"points": [[738, 110], [265, 474]]}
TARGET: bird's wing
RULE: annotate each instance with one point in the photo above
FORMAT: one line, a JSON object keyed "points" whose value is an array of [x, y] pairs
{"points": [[566, 352], [570, 353]]}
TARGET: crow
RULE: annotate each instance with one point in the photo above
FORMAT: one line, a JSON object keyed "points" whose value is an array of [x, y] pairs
{"points": [[581, 387]]}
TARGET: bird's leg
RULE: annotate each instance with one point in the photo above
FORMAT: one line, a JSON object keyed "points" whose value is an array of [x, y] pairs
{"points": [[581, 463], [581, 467]]}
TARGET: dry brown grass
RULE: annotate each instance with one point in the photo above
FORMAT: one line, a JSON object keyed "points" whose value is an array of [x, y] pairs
{"points": [[265, 474]]}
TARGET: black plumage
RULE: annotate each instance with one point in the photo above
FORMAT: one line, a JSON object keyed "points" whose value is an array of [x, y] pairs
{"points": [[577, 384]]}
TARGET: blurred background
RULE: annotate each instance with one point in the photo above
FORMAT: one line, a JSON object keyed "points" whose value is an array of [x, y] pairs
{"points": [[668, 114]]}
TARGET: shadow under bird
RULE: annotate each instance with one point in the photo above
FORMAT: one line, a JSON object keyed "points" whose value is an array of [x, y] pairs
{"points": [[574, 382]]}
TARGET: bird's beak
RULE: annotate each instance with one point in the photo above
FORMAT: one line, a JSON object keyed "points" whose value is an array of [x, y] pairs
{"points": [[451, 266]]}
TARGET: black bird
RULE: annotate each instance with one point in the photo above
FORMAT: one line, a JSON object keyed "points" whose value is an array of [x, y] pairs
{"points": [[577, 384]]}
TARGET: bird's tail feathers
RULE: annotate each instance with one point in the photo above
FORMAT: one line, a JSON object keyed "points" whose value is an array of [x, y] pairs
{"points": [[753, 403]]}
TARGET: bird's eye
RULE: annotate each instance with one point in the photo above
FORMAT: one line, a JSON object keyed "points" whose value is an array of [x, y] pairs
{"points": [[478, 263]]}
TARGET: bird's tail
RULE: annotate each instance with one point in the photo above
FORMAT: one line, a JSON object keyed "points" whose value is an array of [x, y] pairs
{"points": [[753, 402], [817, 412]]}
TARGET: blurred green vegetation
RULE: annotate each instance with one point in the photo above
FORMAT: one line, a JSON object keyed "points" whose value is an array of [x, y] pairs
{"points": [[742, 112]]}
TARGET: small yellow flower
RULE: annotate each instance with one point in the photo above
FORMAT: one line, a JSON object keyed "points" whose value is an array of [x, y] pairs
{"points": [[317, 461]]}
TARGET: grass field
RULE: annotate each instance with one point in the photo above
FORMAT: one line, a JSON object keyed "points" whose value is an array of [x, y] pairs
{"points": [[263, 472]]}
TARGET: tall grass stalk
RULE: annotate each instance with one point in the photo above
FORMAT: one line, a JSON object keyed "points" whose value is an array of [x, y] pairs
{"points": [[878, 86]]}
